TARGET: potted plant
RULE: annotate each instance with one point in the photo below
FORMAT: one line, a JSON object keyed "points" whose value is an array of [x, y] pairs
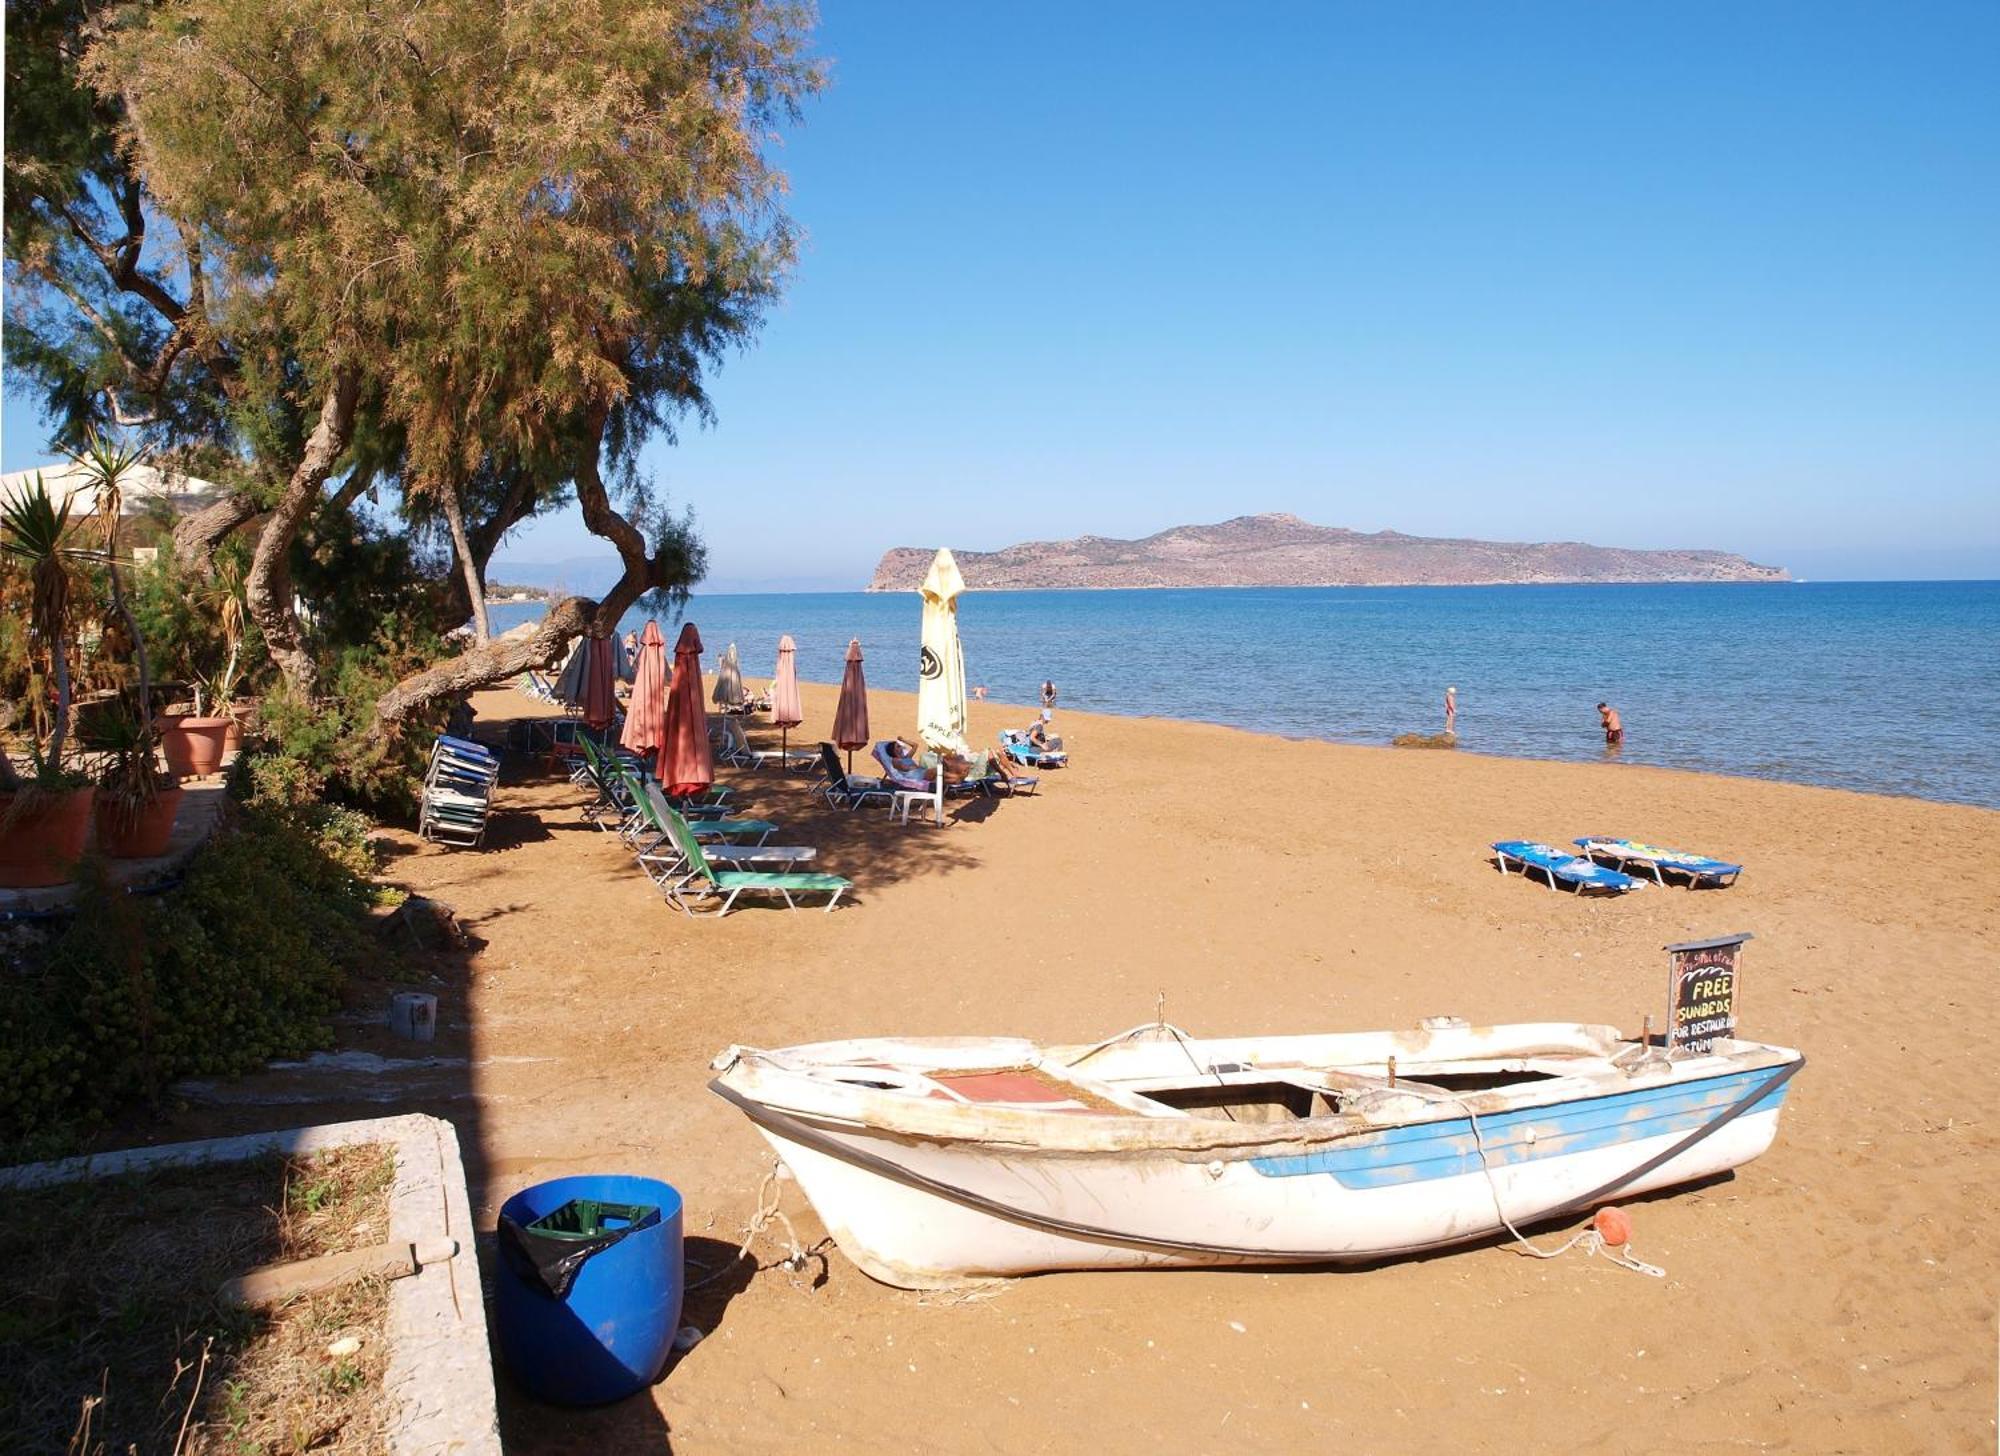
{"points": [[136, 803], [43, 820], [195, 742]]}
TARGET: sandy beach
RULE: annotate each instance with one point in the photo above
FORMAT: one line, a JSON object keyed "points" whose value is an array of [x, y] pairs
{"points": [[1836, 1295]]}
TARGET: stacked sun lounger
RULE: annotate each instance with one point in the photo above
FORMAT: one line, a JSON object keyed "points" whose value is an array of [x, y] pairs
{"points": [[458, 792]]}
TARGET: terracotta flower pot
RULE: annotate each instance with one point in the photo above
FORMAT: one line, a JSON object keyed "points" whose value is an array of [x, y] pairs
{"points": [[122, 836], [194, 745], [42, 845]]}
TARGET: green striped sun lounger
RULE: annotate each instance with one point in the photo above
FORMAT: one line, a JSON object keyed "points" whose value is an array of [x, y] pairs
{"points": [[656, 815], [704, 880]]}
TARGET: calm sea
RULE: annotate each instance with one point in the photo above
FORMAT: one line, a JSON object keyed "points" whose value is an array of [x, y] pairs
{"points": [[1887, 687]]}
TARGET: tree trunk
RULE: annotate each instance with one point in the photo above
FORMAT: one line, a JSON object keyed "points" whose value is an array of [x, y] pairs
{"points": [[485, 538], [197, 536], [475, 586], [267, 591], [490, 662], [124, 610], [505, 657], [59, 730]]}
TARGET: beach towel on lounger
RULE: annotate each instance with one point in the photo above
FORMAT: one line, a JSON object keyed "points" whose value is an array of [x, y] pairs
{"points": [[1626, 854], [1555, 866]]}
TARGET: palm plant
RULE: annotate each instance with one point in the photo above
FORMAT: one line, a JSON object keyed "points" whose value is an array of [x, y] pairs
{"points": [[105, 464], [33, 530]]}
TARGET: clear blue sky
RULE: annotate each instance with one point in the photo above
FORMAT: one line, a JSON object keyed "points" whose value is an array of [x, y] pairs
{"points": [[1707, 275]]}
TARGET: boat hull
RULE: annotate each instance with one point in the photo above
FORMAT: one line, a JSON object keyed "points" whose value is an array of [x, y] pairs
{"points": [[923, 1212]]}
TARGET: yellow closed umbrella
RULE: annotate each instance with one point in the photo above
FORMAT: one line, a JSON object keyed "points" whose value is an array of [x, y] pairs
{"points": [[941, 663]]}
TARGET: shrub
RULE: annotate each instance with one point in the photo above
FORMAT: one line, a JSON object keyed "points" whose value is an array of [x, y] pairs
{"points": [[241, 964], [338, 741]]}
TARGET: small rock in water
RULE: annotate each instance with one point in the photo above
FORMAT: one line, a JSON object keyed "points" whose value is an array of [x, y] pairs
{"points": [[687, 1337]]}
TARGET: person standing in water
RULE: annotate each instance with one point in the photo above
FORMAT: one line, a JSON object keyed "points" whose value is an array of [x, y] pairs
{"points": [[1451, 711], [1048, 693], [1614, 726]]}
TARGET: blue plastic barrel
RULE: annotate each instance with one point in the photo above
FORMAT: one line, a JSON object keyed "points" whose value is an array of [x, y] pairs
{"points": [[611, 1334]]}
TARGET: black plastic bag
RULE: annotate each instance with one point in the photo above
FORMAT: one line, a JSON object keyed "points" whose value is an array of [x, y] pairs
{"points": [[548, 1253]]}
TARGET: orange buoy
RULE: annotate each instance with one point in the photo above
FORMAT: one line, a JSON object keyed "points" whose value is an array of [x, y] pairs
{"points": [[1613, 1226]]}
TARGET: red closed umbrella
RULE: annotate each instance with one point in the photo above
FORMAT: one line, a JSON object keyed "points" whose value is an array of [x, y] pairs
{"points": [[850, 714], [600, 684], [646, 712], [786, 710], [685, 765]]}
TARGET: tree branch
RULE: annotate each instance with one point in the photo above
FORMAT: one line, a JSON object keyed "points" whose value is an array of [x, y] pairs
{"points": [[544, 644]]}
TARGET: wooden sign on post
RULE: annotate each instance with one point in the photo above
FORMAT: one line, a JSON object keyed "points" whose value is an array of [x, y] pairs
{"points": [[1701, 993]]}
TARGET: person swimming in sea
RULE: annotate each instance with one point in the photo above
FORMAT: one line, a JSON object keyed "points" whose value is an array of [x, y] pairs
{"points": [[1614, 726]]}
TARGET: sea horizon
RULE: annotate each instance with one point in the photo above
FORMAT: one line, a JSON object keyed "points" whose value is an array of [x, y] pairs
{"points": [[1870, 686]]}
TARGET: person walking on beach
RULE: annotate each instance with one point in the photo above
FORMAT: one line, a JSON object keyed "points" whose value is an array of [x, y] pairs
{"points": [[1048, 693], [1451, 712], [1614, 726]]}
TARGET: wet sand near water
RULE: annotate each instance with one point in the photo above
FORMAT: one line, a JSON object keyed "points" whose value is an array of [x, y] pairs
{"points": [[1836, 1295]]}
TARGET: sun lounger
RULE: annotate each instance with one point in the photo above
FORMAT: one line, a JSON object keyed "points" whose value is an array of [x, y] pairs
{"points": [[1557, 868], [735, 749], [704, 880], [653, 823], [1629, 855], [1016, 746], [457, 792], [844, 790], [667, 866]]}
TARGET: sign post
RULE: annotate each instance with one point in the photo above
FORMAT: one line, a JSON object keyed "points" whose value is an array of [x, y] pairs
{"points": [[1701, 993]]}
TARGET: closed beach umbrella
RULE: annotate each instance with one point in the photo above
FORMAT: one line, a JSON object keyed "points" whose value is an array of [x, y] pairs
{"points": [[569, 682], [729, 679], [600, 683], [850, 714], [646, 712], [941, 663], [786, 710], [684, 765]]}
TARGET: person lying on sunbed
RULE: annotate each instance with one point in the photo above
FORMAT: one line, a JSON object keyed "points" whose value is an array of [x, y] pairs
{"points": [[973, 766], [899, 765]]}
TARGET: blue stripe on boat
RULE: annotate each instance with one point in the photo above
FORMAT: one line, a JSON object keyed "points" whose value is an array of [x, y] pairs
{"points": [[1446, 1149]]}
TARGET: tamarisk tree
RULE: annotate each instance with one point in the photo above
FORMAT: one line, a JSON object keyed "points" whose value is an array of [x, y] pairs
{"points": [[481, 249]]}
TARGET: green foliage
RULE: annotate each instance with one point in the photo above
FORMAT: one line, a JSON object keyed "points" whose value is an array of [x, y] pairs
{"points": [[186, 616], [240, 965], [337, 741]]}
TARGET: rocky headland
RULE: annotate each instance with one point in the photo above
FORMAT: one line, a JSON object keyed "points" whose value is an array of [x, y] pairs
{"points": [[1282, 550]]}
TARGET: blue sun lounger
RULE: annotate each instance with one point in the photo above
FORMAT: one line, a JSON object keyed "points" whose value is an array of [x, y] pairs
{"points": [[1555, 866], [1629, 854]]}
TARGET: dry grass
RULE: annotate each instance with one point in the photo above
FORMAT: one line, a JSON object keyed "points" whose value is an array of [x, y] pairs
{"points": [[110, 1338]]}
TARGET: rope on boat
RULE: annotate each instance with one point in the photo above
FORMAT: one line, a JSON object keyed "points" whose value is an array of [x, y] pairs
{"points": [[803, 1133], [1590, 1239], [762, 1218]]}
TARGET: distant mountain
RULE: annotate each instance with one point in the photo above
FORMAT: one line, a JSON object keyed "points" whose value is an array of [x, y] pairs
{"points": [[1282, 550]]}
